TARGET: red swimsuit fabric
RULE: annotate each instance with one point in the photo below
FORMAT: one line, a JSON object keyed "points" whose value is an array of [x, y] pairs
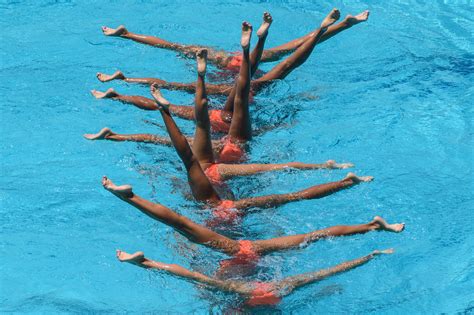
{"points": [[263, 295], [217, 124], [212, 173], [231, 152], [245, 256]]}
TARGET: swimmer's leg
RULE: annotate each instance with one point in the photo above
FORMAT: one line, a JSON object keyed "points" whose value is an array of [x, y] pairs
{"points": [[202, 146], [220, 58], [214, 89], [348, 22], [121, 31], [276, 53], [314, 192], [301, 54], [227, 171], [293, 241], [138, 259], [107, 134], [118, 75], [194, 232], [287, 285], [254, 62], [241, 127], [138, 101], [201, 188], [182, 111]]}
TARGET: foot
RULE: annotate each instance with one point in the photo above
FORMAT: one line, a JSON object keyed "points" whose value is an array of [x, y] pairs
{"points": [[123, 191], [361, 17], [332, 17], [381, 224], [246, 35], [267, 21], [201, 57], [114, 31], [107, 94], [331, 164], [118, 75], [385, 251], [357, 179], [136, 258], [101, 135], [160, 100]]}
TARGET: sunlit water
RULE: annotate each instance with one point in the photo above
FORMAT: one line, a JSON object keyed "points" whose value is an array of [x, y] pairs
{"points": [[393, 95]]}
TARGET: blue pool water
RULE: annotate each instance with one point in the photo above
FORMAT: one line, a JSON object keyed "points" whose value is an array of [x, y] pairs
{"points": [[393, 95]]}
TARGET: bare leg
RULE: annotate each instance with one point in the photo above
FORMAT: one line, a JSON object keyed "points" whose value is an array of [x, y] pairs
{"points": [[348, 22], [294, 241], [314, 192], [107, 134], [202, 146], [288, 284], [200, 186], [279, 289], [219, 57], [231, 170], [301, 54], [255, 56], [194, 232], [145, 103], [241, 127], [138, 101], [276, 53], [138, 259], [214, 89]]}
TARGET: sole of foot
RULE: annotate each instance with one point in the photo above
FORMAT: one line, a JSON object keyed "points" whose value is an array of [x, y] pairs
{"points": [[331, 164], [331, 18], [107, 94], [108, 31], [385, 251], [201, 57], [267, 21], [156, 93], [396, 227], [246, 35], [123, 191], [359, 18], [117, 75], [358, 179], [136, 257], [101, 135]]}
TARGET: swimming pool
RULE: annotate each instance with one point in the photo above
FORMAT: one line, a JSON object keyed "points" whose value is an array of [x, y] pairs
{"points": [[393, 96]]}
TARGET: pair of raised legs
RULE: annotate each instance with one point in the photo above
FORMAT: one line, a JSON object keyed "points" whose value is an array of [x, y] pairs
{"points": [[202, 235], [227, 60], [253, 293]]}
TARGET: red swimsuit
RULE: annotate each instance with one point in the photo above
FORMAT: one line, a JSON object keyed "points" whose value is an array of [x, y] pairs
{"points": [[231, 152], [245, 256], [235, 63], [226, 212], [217, 124], [263, 294], [212, 173]]}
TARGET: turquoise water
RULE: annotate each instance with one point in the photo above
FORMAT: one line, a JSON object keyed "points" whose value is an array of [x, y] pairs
{"points": [[393, 96]]}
